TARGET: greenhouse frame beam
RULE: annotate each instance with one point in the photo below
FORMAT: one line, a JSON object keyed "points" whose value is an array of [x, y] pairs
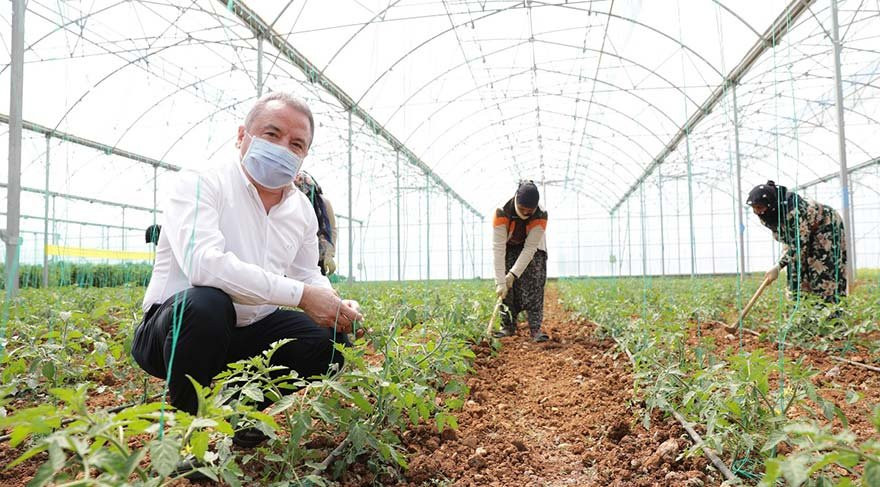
{"points": [[87, 199], [315, 75], [107, 149], [74, 222], [346, 217], [836, 174], [774, 33]]}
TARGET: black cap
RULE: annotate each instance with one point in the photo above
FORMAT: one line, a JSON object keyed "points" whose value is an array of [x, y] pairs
{"points": [[764, 194], [527, 194]]}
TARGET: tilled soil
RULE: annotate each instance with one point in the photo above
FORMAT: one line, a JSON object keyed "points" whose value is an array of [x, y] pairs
{"points": [[549, 414], [554, 414]]}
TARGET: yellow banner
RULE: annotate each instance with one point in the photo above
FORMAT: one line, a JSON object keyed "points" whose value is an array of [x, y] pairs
{"points": [[97, 253]]}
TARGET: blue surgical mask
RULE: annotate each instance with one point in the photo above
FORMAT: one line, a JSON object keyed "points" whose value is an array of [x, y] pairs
{"points": [[270, 165]]}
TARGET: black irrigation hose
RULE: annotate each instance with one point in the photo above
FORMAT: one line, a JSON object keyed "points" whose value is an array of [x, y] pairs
{"points": [[116, 409]]}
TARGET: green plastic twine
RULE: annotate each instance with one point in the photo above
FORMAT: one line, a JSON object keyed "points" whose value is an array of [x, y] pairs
{"points": [[798, 202], [179, 306]]}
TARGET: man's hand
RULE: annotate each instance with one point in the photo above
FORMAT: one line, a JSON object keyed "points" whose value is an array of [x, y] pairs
{"points": [[772, 274], [501, 290], [324, 306]]}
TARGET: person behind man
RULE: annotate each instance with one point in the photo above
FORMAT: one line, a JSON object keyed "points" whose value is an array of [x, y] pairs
{"points": [[238, 242], [326, 221], [151, 235], [520, 254], [813, 237]]}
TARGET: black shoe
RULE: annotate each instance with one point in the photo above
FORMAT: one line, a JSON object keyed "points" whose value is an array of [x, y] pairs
{"points": [[504, 332], [248, 438], [538, 337], [188, 469]]}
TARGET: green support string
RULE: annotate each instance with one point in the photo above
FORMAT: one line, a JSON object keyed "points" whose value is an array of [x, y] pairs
{"points": [[179, 307]]}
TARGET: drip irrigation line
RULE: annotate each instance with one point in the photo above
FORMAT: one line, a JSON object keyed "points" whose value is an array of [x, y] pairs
{"points": [[322, 467], [710, 454], [698, 440], [112, 410]]}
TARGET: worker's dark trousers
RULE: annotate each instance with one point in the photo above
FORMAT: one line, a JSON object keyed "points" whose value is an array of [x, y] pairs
{"points": [[208, 340], [527, 293]]}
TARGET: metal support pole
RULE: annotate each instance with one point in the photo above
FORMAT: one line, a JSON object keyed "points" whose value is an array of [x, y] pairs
{"points": [[841, 142], [644, 230], [611, 258], [13, 193], [691, 206], [662, 224], [427, 227], [482, 245], [448, 238], [419, 213], [629, 237], [712, 225], [461, 236], [390, 247], [350, 214], [852, 226], [55, 236], [397, 174], [46, 219], [739, 190], [678, 224], [619, 245], [259, 66], [155, 192], [577, 209], [123, 228]]}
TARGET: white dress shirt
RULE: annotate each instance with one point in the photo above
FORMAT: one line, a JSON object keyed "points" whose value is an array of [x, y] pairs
{"points": [[217, 233]]}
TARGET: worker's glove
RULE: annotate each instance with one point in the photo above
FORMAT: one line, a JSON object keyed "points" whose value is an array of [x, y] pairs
{"points": [[772, 274], [508, 279], [329, 266], [501, 290]]}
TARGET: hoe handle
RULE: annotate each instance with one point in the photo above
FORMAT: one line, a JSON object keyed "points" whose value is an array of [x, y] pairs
{"points": [[754, 299], [492, 319]]}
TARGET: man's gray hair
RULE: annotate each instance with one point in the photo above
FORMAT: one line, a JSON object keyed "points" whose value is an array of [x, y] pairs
{"points": [[289, 100]]}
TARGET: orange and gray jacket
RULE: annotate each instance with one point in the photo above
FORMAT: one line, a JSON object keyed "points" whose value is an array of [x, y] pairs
{"points": [[511, 230]]}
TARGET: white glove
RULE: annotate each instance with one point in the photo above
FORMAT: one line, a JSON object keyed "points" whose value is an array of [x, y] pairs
{"points": [[501, 290], [508, 279], [772, 274], [329, 266]]}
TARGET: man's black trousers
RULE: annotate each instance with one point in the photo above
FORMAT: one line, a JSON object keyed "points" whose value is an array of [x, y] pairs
{"points": [[208, 340]]}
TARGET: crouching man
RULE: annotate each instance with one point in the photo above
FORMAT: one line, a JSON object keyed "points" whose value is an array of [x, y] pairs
{"points": [[240, 240]]}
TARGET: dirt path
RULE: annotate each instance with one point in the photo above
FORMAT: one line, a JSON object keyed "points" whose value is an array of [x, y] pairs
{"points": [[553, 414]]}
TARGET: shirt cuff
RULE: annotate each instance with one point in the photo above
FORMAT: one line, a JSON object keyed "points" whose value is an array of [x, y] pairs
{"points": [[288, 292]]}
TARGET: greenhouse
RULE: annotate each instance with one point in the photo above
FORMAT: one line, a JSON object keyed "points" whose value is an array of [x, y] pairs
{"points": [[559, 242]]}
